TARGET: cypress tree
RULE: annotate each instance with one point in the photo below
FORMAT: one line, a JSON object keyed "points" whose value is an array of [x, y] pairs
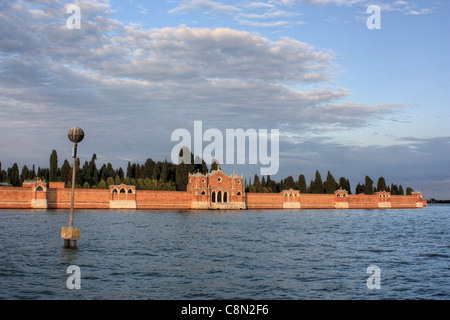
{"points": [[182, 171], [53, 175], [330, 184], [129, 173], [66, 172], [13, 175], [257, 184], [24, 174], [214, 165], [394, 189], [271, 185], [368, 186], [359, 189], [381, 185], [165, 171], [301, 183], [120, 173], [110, 172], [317, 186], [400, 190]]}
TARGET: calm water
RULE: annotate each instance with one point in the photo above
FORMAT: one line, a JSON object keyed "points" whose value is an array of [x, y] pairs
{"points": [[307, 254]]}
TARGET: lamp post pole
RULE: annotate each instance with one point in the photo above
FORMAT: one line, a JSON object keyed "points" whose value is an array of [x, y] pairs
{"points": [[74, 155], [71, 234]]}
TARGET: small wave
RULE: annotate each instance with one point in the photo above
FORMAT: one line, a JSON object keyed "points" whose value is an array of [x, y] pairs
{"points": [[435, 255]]}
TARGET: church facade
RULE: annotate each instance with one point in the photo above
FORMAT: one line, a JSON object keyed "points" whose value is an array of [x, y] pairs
{"points": [[216, 190]]}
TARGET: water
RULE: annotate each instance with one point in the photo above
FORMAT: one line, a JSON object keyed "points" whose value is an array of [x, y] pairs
{"points": [[286, 254]]}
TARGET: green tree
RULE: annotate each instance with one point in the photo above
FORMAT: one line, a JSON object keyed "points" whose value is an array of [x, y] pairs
{"points": [[271, 185], [409, 191], [301, 186], [109, 181], [120, 173], [381, 185], [156, 172], [164, 171], [3, 174], [102, 184], [317, 186], [344, 184], [53, 175], [359, 189], [394, 189], [400, 190], [183, 169], [368, 185], [24, 174], [148, 168], [13, 175], [66, 172], [288, 183], [257, 184], [86, 185], [214, 165], [110, 172], [330, 184]]}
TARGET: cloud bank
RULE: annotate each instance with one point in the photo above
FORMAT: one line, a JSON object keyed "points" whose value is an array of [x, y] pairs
{"points": [[130, 87]]}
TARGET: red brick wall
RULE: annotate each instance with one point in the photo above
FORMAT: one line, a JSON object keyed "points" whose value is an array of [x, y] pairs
{"points": [[83, 199], [317, 201], [163, 200], [59, 198], [264, 200], [15, 198]]}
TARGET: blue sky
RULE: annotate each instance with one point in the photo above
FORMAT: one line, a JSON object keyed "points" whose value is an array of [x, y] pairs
{"points": [[345, 98]]}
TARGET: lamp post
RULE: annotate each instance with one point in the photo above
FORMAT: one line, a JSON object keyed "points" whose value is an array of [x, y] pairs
{"points": [[71, 234]]}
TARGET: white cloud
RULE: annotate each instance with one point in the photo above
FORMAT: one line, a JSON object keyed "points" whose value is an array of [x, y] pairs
{"points": [[129, 88], [207, 6]]}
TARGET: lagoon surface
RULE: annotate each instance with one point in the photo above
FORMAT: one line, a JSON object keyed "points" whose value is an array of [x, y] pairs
{"points": [[268, 254]]}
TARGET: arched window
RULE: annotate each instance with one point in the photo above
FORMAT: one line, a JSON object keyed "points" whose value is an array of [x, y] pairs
{"points": [[219, 196], [122, 190], [225, 196], [213, 197], [345, 195], [130, 190], [338, 195], [203, 193], [238, 193], [114, 191], [39, 188]]}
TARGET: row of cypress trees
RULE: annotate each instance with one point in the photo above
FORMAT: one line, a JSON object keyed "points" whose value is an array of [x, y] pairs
{"points": [[317, 186], [163, 175]]}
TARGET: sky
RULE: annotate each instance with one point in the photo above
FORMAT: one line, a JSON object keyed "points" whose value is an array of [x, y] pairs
{"points": [[345, 98]]}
